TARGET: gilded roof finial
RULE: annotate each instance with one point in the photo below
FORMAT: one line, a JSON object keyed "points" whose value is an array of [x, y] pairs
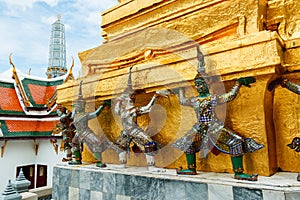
{"points": [[70, 75], [58, 16], [18, 82], [72, 65], [12, 64]]}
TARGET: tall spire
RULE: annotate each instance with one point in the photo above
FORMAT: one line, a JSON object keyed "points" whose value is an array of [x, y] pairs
{"points": [[57, 50]]}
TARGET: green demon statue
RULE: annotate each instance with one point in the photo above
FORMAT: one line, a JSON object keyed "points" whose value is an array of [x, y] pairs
{"points": [[83, 134], [209, 133], [67, 130]]}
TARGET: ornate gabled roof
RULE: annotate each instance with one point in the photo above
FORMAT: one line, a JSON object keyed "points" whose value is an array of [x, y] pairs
{"points": [[28, 104], [15, 120], [40, 91], [36, 94]]}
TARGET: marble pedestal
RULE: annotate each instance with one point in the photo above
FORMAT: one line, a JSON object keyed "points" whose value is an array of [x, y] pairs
{"points": [[87, 182]]}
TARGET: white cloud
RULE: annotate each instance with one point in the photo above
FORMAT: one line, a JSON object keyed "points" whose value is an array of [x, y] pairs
{"points": [[51, 3], [90, 10], [25, 4], [98, 5], [94, 18], [25, 27], [48, 20], [27, 40]]}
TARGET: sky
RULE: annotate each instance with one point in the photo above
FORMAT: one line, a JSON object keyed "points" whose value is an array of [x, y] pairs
{"points": [[25, 27]]}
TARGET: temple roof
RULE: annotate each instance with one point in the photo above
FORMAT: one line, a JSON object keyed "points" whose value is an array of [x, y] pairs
{"points": [[27, 127], [39, 91], [38, 117]]}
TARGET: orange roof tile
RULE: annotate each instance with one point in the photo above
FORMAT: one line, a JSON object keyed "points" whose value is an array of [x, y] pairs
{"points": [[30, 126], [9, 99], [40, 94]]}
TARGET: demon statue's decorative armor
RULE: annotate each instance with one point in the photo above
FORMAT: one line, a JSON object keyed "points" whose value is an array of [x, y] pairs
{"points": [[208, 133], [131, 132], [67, 130], [293, 87], [97, 144]]}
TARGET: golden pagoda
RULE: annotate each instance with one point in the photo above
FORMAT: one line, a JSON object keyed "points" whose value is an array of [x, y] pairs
{"points": [[238, 38]]}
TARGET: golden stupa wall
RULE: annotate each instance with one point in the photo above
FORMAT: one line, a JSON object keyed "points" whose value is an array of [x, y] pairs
{"points": [[239, 38]]}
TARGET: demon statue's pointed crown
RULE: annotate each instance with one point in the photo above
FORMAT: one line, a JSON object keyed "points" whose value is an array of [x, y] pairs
{"points": [[128, 90], [201, 75], [80, 102]]}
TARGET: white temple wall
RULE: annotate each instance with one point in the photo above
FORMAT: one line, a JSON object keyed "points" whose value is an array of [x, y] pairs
{"points": [[21, 152]]}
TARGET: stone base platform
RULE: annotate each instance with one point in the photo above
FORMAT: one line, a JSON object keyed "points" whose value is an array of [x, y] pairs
{"points": [[88, 182]]}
